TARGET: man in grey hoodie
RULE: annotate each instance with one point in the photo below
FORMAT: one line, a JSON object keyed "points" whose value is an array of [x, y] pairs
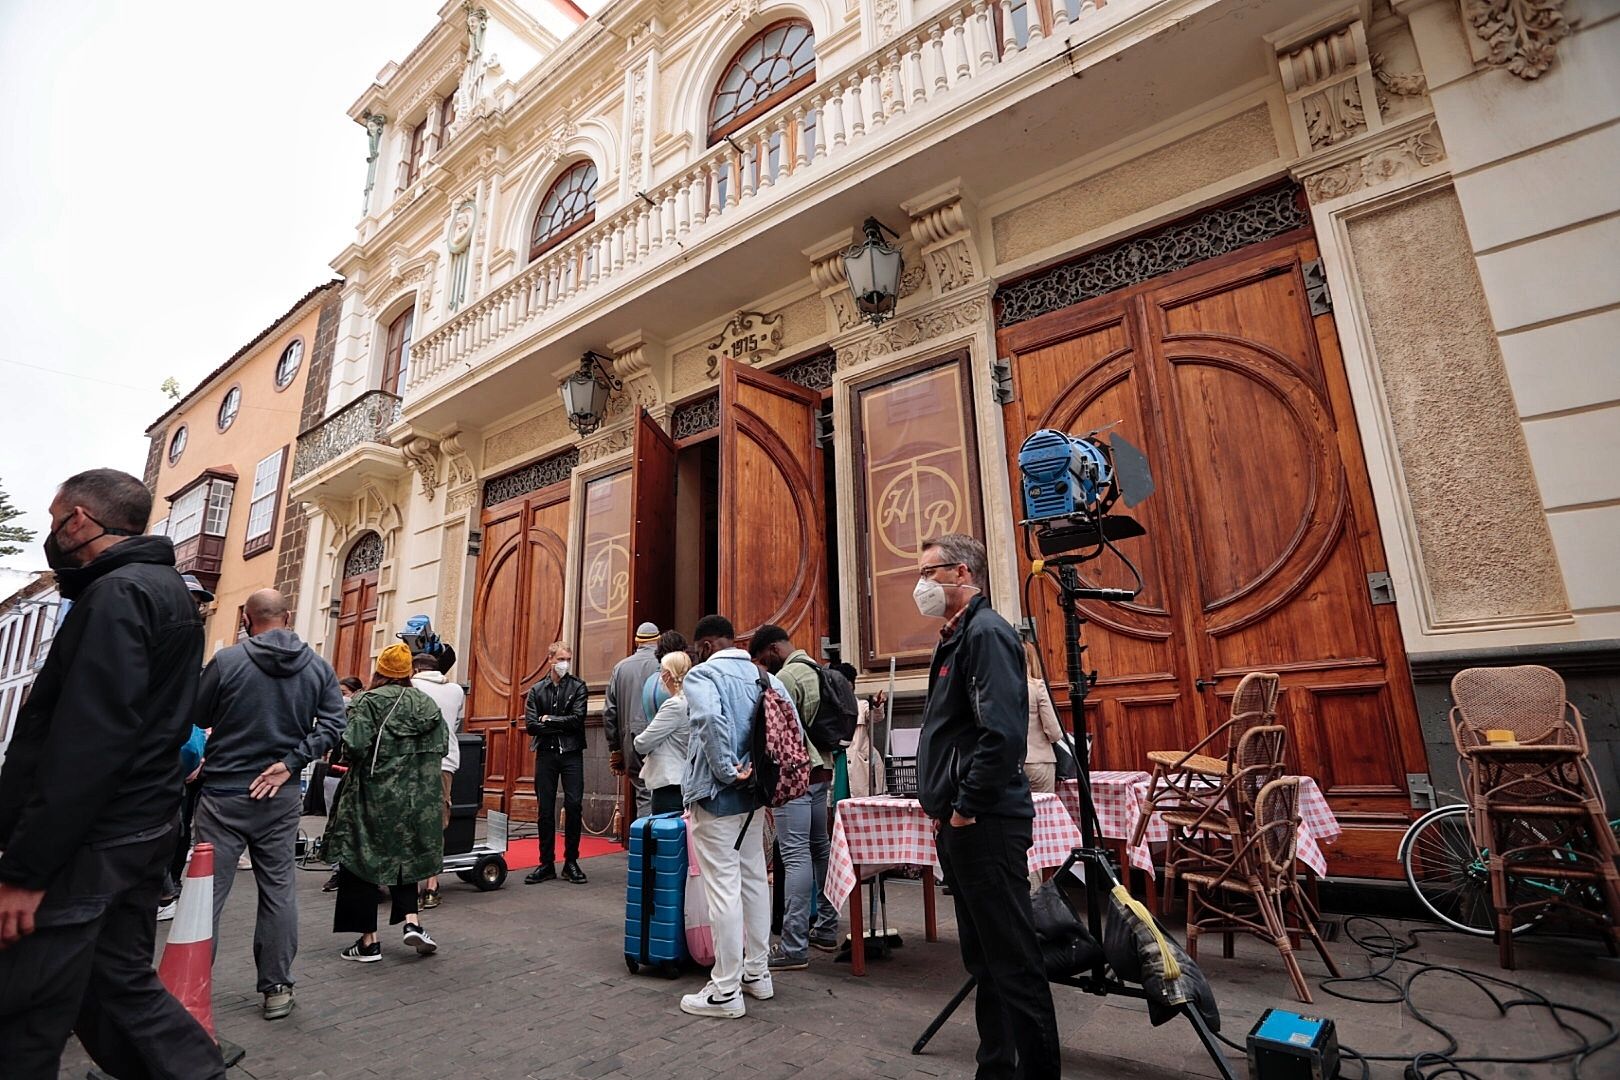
{"points": [[274, 706]]}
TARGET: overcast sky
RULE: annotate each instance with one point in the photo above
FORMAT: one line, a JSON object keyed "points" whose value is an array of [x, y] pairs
{"points": [[175, 175]]}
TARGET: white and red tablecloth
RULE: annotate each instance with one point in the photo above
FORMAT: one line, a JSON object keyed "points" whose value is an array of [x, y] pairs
{"points": [[1120, 797], [882, 831]]}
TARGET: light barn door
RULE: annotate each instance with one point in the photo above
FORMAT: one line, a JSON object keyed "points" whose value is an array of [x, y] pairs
{"points": [[773, 564]]}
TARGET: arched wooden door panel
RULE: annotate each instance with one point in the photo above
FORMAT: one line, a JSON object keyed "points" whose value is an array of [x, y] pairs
{"points": [[772, 533], [517, 613], [357, 608], [1262, 531]]}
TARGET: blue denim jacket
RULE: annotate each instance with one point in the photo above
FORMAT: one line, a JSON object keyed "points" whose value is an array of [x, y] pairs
{"points": [[720, 698]]}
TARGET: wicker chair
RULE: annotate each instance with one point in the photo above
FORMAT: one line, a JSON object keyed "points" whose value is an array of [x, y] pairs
{"points": [[1254, 889], [1227, 821], [1196, 779], [1534, 803]]}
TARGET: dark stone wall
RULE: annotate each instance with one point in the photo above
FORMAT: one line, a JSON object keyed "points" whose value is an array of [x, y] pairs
{"points": [[294, 519]]}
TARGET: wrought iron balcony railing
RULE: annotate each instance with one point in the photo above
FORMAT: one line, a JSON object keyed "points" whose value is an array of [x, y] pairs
{"points": [[363, 420]]}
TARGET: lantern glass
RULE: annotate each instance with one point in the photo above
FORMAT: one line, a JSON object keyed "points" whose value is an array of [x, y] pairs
{"points": [[584, 398], [873, 269]]}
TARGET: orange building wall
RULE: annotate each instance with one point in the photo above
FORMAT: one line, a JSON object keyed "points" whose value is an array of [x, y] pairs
{"points": [[267, 418]]}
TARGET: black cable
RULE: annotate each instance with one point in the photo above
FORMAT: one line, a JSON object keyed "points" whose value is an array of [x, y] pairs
{"points": [[1385, 950]]}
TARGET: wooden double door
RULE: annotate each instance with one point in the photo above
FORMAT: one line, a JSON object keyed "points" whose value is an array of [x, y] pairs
{"points": [[770, 563], [357, 617], [1261, 535]]}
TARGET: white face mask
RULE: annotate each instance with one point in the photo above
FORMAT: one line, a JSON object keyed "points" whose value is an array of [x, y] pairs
{"points": [[561, 668], [930, 598]]}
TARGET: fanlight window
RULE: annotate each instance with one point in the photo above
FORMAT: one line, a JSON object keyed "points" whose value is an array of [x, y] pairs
{"points": [[774, 65], [568, 207]]}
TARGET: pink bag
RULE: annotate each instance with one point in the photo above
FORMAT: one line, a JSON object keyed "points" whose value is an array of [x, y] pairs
{"points": [[699, 932]]}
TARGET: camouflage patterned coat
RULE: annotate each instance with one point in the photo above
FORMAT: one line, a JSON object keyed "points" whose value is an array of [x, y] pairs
{"points": [[387, 825]]}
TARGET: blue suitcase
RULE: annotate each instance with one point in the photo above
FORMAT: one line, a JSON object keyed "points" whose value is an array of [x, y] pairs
{"points": [[655, 895]]}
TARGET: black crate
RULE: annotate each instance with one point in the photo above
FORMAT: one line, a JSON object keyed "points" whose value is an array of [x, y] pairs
{"points": [[900, 776]]}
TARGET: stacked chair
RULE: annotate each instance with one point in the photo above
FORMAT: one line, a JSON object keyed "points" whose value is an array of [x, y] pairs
{"points": [[1533, 800], [1234, 821]]}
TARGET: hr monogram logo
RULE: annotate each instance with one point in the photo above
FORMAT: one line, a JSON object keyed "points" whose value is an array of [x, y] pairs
{"points": [[607, 578], [920, 503]]}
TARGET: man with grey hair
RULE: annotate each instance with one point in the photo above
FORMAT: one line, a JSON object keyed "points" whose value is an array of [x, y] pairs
{"points": [[624, 716], [971, 781], [90, 796], [274, 706]]}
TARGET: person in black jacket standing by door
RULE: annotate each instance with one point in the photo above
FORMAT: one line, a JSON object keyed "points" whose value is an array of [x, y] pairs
{"points": [[554, 715], [90, 801], [971, 781]]}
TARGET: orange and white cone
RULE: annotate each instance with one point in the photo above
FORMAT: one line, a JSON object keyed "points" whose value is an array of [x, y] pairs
{"points": [[188, 959]]}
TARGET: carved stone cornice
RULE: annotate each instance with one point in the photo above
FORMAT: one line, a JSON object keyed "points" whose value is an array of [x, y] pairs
{"points": [[1395, 154], [605, 445], [904, 331], [422, 455], [1327, 74], [1520, 35], [458, 458]]}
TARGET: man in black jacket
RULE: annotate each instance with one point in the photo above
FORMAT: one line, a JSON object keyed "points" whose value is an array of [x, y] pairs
{"points": [[273, 706], [90, 797], [971, 781], [554, 715]]}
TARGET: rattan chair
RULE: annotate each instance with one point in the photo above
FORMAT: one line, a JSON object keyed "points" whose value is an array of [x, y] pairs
{"points": [[1197, 779], [1534, 804], [1227, 821], [1254, 889]]}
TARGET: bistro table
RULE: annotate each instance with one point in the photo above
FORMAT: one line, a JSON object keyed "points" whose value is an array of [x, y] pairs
{"points": [[878, 832], [1118, 810]]}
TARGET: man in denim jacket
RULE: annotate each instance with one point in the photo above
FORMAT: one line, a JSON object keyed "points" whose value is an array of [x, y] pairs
{"points": [[721, 692]]}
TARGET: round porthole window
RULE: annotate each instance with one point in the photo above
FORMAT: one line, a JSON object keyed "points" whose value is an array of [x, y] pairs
{"points": [[230, 407], [177, 444], [287, 367]]}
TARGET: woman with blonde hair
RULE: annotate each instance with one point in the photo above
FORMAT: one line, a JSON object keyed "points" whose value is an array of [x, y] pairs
{"points": [[1040, 761], [663, 743]]}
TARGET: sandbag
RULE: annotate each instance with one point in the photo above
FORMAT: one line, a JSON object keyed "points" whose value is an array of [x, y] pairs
{"points": [[1140, 952]]}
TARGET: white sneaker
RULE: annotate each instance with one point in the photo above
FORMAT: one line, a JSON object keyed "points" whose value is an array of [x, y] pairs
{"points": [[417, 938], [166, 912], [707, 1002], [758, 987]]}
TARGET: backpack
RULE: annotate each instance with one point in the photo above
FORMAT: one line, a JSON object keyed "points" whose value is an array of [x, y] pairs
{"points": [[833, 726], [776, 745]]}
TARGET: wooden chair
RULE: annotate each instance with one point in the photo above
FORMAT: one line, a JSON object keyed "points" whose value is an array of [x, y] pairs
{"points": [[1226, 821], [1534, 804], [1197, 779], [1255, 889]]}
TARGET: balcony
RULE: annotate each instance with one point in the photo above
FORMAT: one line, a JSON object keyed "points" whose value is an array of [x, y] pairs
{"points": [[336, 457]]}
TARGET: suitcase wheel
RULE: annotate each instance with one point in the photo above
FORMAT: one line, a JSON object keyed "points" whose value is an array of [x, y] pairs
{"points": [[630, 962]]}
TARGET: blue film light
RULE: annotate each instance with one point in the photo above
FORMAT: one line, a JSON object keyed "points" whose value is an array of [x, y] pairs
{"points": [[1063, 474]]}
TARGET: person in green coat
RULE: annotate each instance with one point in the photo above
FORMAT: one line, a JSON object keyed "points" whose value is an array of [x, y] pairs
{"points": [[387, 829]]}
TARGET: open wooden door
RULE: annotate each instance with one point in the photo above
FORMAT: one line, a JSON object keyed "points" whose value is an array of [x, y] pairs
{"points": [[652, 529], [773, 563]]}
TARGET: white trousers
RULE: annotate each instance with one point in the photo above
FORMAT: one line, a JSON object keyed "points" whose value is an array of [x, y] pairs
{"points": [[739, 898]]}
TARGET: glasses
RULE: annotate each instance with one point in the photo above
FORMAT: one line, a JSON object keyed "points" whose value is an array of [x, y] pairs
{"points": [[928, 570]]}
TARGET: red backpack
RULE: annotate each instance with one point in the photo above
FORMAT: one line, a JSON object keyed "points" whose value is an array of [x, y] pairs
{"points": [[776, 743]]}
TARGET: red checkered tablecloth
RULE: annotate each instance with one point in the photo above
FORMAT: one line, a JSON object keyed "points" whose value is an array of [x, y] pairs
{"points": [[1120, 796], [882, 831]]}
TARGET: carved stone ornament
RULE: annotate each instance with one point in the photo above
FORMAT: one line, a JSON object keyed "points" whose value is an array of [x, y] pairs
{"points": [[457, 461], [952, 266], [604, 445], [903, 333], [422, 454], [1520, 35], [750, 336], [461, 500], [1382, 164]]}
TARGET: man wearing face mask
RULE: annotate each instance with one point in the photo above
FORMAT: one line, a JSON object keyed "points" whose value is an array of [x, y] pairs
{"points": [[554, 716], [971, 781], [90, 798]]}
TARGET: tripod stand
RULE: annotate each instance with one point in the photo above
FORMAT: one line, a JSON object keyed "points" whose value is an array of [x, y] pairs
{"points": [[1099, 874]]}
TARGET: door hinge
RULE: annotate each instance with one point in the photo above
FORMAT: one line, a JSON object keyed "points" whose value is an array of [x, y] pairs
{"points": [[1421, 789], [1002, 380], [1380, 588], [1316, 288], [824, 428]]}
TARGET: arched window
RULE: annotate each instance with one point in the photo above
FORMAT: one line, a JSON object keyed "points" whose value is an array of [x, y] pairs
{"points": [[771, 67], [568, 207]]}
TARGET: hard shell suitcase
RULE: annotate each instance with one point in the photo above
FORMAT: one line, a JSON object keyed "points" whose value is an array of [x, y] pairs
{"points": [[655, 894]]}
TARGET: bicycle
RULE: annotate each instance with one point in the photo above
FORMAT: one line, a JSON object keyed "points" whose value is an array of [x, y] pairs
{"points": [[1450, 874]]}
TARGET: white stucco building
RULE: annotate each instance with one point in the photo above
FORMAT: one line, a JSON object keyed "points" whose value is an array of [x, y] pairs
{"points": [[28, 621], [1347, 273]]}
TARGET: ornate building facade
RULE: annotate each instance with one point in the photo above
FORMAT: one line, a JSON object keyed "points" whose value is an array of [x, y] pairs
{"points": [[1345, 273]]}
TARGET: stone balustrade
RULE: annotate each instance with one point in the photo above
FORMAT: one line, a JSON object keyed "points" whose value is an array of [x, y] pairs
{"points": [[835, 122], [363, 420]]}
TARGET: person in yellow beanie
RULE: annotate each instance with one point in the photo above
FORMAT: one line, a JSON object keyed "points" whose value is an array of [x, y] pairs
{"points": [[387, 828]]}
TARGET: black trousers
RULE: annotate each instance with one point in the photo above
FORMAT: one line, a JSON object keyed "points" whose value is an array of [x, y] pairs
{"points": [[356, 910], [87, 968], [182, 841], [667, 800], [550, 766], [986, 865]]}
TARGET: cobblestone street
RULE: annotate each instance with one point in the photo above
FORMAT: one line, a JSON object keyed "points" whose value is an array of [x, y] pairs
{"points": [[529, 981]]}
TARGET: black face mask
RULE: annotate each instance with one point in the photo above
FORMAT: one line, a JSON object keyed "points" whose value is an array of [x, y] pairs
{"points": [[59, 558]]}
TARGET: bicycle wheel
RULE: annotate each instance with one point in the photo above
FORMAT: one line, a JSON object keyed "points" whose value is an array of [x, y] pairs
{"points": [[1449, 874]]}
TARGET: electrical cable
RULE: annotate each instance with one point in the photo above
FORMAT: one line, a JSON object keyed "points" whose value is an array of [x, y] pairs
{"points": [[1385, 950]]}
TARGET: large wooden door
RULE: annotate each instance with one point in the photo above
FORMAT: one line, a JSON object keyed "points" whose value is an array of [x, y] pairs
{"points": [[357, 616], [1260, 539], [517, 614], [773, 566], [652, 529]]}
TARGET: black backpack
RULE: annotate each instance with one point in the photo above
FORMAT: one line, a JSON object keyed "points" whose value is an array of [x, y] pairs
{"points": [[833, 726]]}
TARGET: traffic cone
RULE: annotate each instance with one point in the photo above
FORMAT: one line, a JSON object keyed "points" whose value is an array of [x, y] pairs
{"points": [[188, 959]]}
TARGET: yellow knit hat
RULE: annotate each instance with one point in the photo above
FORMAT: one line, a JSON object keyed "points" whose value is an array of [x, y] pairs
{"points": [[395, 662]]}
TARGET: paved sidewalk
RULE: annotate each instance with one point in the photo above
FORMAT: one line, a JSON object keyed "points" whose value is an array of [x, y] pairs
{"points": [[530, 982]]}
